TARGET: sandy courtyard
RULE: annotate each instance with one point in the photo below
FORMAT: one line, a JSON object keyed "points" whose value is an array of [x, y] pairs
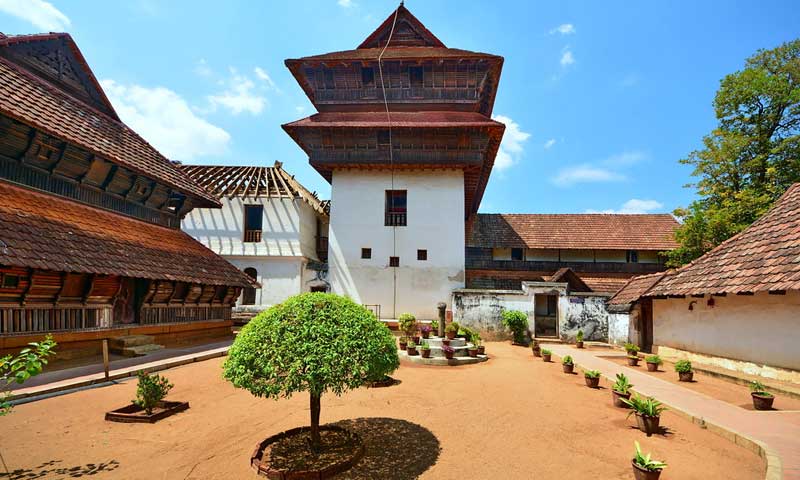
{"points": [[513, 417]]}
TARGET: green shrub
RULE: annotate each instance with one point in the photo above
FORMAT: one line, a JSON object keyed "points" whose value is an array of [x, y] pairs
{"points": [[517, 322], [425, 346], [314, 342], [468, 333], [683, 366], [407, 323], [644, 461], [451, 328], [579, 336], [653, 359], [546, 352], [631, 347], [591, 374], [649, 406], [150, 390], [759, 388], [622, 385], [18, 368], [567, 360]]}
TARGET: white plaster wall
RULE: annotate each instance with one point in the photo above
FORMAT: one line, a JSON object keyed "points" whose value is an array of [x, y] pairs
{"points": [[435, 222], [483, 309], [618, 328], [761, 328], [587, 313], [280, 278]]}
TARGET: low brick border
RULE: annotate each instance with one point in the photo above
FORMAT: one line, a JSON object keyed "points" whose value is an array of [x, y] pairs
{"points": [[135, 414], [263, 467]]}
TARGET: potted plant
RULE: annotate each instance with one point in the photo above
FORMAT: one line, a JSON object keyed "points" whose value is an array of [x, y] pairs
{"points": [[448, 351], [579, 339], [425, 330], [403, 342], [653, 361], [517, 322], [480, 345], [446, 342], [633, 360], [567, 364], [425, 350], [592, 378], [451, 330], [644, 468], [621, 390], [647, 411], [472, 350], [684, 369], [407, 323], [762, 399], [537, 350], [631, 348], [546, 354], [411, 348]]}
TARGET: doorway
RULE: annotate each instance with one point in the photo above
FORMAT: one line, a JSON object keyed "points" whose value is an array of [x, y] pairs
{"points": [[249, 294], [545, 310], [646, 335]]}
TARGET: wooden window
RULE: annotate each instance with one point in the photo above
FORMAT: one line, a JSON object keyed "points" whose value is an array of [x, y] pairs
{"points": [[253, 220], [396, 202], [415, 76], [422, 255], [632, 256], [328, 76], [367, 77], [517, 254], [394, 261], [383, 137], [366, 253], [9, 280]]}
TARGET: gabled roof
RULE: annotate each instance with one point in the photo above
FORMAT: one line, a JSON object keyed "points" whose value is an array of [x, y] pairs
{"points": [[427, 119], [27, 98], [405, 30], [42, 231], [763, 257], [252, 182], [635, 288], [566, 275], [574, 231]]}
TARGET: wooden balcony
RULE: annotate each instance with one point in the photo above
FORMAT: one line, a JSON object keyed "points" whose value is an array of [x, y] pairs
{"points": [[404, 94], [399, 156], [252, 236]]}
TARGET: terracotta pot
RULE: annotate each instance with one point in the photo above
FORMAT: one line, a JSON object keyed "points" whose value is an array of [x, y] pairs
{"points": [[640, 473], [685, 376], [537, 352], [546, 357], [473, 352], [416, 339], [426, 334], [403, 345], [647, 424], [592, 382], [762, 402], [449, 355], [451, 335], [632, 353], [568, 367], [446, 341], [481, 350], [579, 344], [652, 367], [633, 361], [411, 351], [426, 353], [617, 398]]}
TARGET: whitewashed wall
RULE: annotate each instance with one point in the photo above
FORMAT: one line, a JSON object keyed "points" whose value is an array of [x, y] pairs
{"points": [[762, 328], [618, 328], [280, 278], [483, 309], [435, 223]]}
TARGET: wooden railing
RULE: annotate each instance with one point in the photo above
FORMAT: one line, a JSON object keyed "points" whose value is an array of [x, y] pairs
{"points": [[400, 156], [395, 219], [154, 315], [19, 320], [467, 94], [252, 236]]}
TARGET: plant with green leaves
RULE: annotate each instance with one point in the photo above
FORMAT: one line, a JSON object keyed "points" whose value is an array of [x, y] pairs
{"points": [[622, 385], [759, 389], [631, 348], [579, 336], [150, 390], [649, 407], [312, 342], [683, 366], [567, 360], [653, 359], [451, 328], [546, 352], [412, 345], [29, 362], [407, 323], [469, 333], [591, 374], [517, 322], [425, 346], [645, 462]]}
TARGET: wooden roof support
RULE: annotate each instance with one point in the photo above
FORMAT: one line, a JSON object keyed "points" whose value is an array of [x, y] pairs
{"points": [[88, 290]]}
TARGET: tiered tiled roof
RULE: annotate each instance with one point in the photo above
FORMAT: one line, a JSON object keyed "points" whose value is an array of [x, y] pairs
{"points": [[429, 119], [603, 283], [764, 257], [635, 288], [43, 231], [574, 231]]}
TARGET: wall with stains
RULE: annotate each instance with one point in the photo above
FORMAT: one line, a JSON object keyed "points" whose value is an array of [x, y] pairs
{"points": [[483, 309], [587, 313]]}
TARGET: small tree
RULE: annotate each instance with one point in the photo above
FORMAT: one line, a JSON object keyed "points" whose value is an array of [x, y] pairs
{"points": [[314, 342], [16, 369], [517, 322], [150, 391], [407, 323]]}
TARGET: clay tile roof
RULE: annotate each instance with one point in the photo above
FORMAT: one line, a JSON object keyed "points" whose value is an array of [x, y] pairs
{"points": [[763, 257], [46, 232], [398, 53], [432, 119], [30, 100], [228, 181], [635, 288], [566, 275], [604, 283], [574, 231]]}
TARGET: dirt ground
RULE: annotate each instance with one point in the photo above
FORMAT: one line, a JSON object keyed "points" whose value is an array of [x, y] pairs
{"points": [[714, 387], [512, 417]]}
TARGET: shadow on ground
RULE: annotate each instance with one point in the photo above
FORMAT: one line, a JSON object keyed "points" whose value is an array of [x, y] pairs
{"points": [[383, 438], [51, 469]]}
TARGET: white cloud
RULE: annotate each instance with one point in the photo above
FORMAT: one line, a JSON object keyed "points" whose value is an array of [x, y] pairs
{"points": [[43, 15], [263, 75], [299, 109], [239, 96], [202, 68], [634, 206], [511, 147], [626, 158], [564, 29], [165, 120], [549, 144], [585, 173], [346, 3], [567, 58]]}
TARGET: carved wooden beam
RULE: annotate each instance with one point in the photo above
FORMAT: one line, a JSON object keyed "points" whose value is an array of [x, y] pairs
{"points": [[64, 277], [88, 290], [111, 172], [27, 291], [33, 141]]}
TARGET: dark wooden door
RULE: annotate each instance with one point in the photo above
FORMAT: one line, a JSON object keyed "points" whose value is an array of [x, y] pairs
{"points": [[646, 340]]}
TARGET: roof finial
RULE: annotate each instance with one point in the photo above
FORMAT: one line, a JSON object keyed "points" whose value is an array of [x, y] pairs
{"points": [[402, 2]]}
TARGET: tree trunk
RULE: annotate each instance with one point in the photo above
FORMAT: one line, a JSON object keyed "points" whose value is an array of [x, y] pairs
{"points": [[315, 407]]}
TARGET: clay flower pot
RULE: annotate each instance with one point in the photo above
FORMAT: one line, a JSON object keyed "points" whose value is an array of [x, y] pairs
{"points": [[446, 342], [426, 353], [416, 339], [403, 345], [640, 473], [449, 355], [592, 382], [473, 352], [568, 367], [652, 367], [633, 361], [481, 350], [537, 352], [685, 376], [545, 357], [648, 424], [617, 398], [412, 351], [426, 334], [450, 335], [579, 344], [761, 401]]}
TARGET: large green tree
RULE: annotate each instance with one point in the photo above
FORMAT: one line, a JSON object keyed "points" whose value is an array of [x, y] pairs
{"points": [[752, 156]]}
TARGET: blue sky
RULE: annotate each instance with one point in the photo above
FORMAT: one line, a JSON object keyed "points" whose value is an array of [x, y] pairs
{"points": [[601, 99]]}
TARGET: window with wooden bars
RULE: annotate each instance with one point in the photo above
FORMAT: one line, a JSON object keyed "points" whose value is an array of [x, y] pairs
{"points": [[422, 255], [367, 77], [366, 253], [396, 211], [394, 261], [253, 221]]}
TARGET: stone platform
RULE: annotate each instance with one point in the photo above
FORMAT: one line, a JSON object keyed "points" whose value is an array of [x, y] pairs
{"points": [[442, 361], [460, 357]]}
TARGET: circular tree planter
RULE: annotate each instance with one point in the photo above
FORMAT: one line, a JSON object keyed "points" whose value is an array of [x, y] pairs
{"points": [[617, 398], [568, 367], [268, 461], [685, 376], [640, 473], [136, 414], [762, 402], [648, 424]]}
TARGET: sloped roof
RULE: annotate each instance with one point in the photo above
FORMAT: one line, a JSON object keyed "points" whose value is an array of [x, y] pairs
{"points": [[402, 28], [763, 257], [575, 282], [574, 231], [430, 119], [635, 288], [42, 231], [229, 181], [34, 102], [603, 283]]}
